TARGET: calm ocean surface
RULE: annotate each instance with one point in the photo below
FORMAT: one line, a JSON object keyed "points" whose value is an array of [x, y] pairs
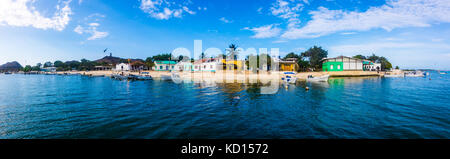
{"points": [[51, 106]]}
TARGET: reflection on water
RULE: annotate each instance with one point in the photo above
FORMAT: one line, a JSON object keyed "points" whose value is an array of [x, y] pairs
{"points": [[83, 107]]}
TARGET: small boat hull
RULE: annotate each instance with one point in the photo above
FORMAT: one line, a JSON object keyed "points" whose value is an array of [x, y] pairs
{"points": [[323, 78]]}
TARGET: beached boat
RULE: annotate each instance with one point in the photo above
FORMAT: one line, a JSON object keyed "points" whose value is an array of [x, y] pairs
{"points": [[323, 78]]}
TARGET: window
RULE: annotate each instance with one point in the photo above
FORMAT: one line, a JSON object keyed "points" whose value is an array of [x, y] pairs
{"points": [[339, 67], [160, 67], [167, 67], [331, 67]]}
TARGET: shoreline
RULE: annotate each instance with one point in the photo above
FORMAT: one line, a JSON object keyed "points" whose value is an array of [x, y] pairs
{"points": [[225, 74]]}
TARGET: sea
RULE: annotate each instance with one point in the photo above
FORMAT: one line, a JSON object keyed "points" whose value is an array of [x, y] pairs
{"points": [[80, 107]]}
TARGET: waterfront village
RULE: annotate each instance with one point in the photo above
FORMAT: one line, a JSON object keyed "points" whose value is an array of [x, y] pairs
{"points": [[312, 64]]}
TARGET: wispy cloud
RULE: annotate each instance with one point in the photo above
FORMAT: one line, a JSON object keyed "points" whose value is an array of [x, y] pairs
{"points": [[259, 10], [225, 20], [22, 13], [165, 9], [288, 10], [377, 47], [267, 31], [394, 14], [91, 28], [348, 33]]}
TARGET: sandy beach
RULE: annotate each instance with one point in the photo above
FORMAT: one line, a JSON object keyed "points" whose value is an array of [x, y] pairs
{"points": [[233, 76]]}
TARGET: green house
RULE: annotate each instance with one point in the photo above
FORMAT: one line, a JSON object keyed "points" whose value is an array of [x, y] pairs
{"points": [[331, 66], [164, 65], [342, 63]]}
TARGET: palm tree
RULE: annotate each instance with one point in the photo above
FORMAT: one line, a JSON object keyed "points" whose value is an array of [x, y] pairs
{"points": [[232, 52]]}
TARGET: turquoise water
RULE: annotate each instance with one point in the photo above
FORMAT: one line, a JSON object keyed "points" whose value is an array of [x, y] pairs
{"points": [[50, 106]]}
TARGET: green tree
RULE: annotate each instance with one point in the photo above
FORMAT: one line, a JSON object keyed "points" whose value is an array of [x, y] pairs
{"points": [[149, 62], [58, 63], [374, 58], [48, 64], [27, 68], [385, 64], [291, 55], [315, 55], [258, 60], [362, 57], [162, 57], [396, 67], [232, 51]]}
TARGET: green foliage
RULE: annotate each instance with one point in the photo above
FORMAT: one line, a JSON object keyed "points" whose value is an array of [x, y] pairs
{"points": [[48, 64], [291, 55], [362, 57], [252, 57], [27, 68], [396, 67], [315, 55], [162, 57]]}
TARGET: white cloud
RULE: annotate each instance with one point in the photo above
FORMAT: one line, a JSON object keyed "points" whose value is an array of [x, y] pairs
{"points": [[287, 10], [259, 10], [377, 47], [22, 13], [79, 30], [394, 14], [225, 20], [91, 28], [348, 33], [165, 9], [97, 35], [267, 31]]}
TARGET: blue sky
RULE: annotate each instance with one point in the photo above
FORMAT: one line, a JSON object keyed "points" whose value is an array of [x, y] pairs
{"points": [[411, 33]]}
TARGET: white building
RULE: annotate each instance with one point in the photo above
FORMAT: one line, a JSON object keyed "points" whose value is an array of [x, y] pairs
{"points": [[123, 67], [208, 65], [49, 69]]}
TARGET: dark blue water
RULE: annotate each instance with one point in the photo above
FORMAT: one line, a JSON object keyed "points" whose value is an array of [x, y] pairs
{"points": [[46, 106]]}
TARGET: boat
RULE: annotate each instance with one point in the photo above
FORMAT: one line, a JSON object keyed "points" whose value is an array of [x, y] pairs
{"points": [[8, 73], [415, 74], [323, 78], [139, 77], [396, 75], [119, 77], [289, 78]]}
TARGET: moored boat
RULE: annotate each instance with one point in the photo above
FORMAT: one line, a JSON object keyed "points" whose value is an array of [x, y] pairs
{"points": [[289, 77], [323, 78]]}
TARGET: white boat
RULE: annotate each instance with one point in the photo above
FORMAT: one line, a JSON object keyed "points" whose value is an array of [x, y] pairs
{"points": [[397, 75], [323, 78], [289, 77], [119, 77], [415, 74]]}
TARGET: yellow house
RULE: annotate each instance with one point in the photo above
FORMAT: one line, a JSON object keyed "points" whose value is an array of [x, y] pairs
{"points": [[232, 64], [290, 64]]}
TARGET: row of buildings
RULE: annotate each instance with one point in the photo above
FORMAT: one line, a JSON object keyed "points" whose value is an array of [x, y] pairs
{"points": [[341, 63]]}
